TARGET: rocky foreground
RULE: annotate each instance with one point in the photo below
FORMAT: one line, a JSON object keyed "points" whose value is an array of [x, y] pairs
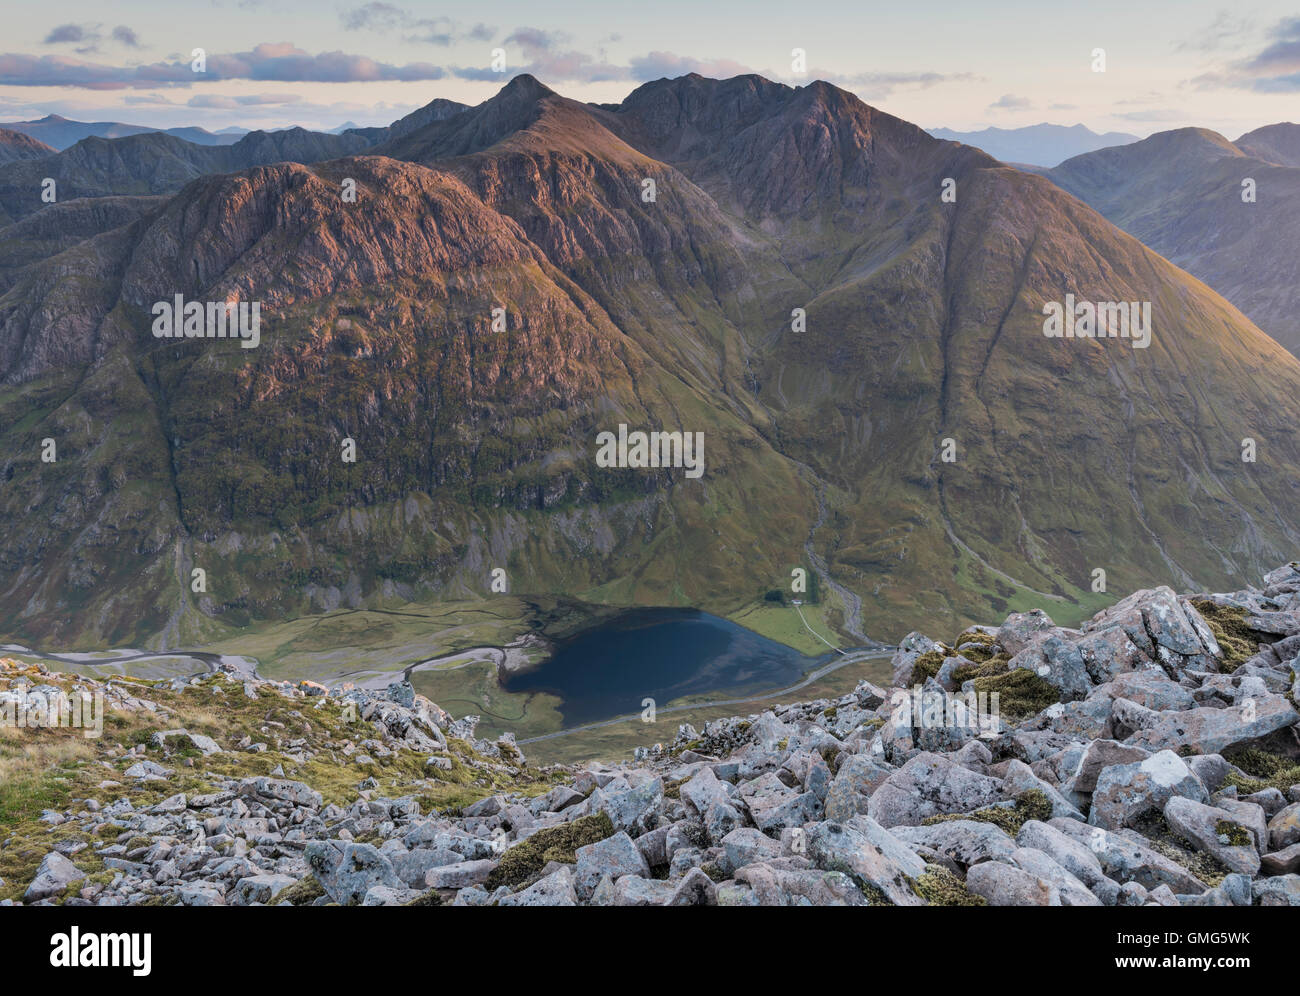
{"points": [[1151, 757]]}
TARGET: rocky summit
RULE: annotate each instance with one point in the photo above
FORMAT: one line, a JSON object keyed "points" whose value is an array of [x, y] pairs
{"points": [[1149, 757]]}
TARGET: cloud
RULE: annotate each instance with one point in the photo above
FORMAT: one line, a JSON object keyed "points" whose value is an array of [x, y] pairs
{"points": [[1010, 102], [374, 17], [213, 100], [88, 36], [546, 55], [549, 55], [1155, 115], [1227, 30], [280, 62], [69, 34], [125, 36], [388, 18], [1275, 69], [877, 85], [656, 65]]}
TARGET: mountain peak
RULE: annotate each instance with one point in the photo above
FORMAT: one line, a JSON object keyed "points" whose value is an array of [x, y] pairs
{"points": [[1276, 143], [525, 86]]}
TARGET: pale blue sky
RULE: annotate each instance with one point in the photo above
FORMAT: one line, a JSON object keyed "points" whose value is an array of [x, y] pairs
{"points": [[964, 65]]}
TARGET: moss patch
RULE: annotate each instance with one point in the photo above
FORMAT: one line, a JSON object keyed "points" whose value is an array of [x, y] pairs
{"points": [[304, 892], [430, 898], [1020, 692], [940, 887], [928, 664], [1237, 640], [1235, 834], [528, 857], [1162, 839], [1263, 770], [987, 667], [1030, 805]]}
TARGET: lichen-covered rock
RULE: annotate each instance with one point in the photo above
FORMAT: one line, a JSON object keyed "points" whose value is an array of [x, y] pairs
{"points": [[612, 857], [1125, 792], [1216, 832], [1207, 730], [929, 785]]}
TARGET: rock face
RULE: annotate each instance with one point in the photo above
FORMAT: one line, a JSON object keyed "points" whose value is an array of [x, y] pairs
{"points": [[826, 802]]}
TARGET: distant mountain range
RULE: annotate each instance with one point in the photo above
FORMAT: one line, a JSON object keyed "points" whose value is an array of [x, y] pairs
{"points": [[59, 133], [772, 267], [1036, 145], [1181, 193]]}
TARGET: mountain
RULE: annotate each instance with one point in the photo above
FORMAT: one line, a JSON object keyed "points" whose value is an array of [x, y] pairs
{"points": [[1037, 145], [1180, 192], [155, 163], [1277, 143], [15, 146], [648, 258], [60, 133], [436, 110]]}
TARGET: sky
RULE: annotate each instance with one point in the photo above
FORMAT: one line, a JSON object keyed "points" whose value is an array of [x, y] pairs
{"points": [[963, 65]]}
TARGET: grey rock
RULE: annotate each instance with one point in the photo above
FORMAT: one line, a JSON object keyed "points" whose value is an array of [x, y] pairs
{"points": [[930, 785], [696, 889], [53, 876], [1207, 730], [1281, 891], [910, 648], [967, 842], [1041, 865], [347, 870], [844, 848], [1066, 851], [615, 857], [1283, 862], [1198, 823], [259, 889], [1284, 828], [555, 889], [1006, 885], [1126, 860], [1125, 792], [460, 875]]}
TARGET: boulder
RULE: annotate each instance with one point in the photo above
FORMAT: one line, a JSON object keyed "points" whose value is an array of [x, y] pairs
{"points": [[930, 785], [1041, 865], [967, 842], [53, 876], [1216, 832], [1284, 828], [614, 857], [845, 848], [1006, 885], [347, 870], [1125, 792]]}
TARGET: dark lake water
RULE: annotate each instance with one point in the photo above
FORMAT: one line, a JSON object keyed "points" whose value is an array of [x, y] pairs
{"points": [[661, 654]]}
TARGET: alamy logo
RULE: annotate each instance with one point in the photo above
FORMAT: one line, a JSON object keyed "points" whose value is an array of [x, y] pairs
{"points": [[651, 449], [47, 707], [181, 319], [77, 950], [1103, 320]]}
